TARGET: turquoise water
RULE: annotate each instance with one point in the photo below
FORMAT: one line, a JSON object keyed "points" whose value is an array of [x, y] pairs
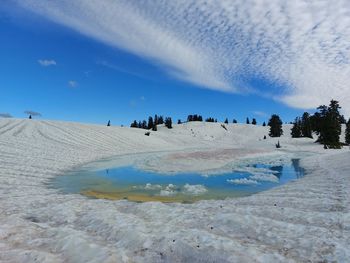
{"points": [[138, 185]]}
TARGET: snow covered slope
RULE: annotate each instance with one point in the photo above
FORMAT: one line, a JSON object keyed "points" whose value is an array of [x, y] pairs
{"points": [[306, 220]]}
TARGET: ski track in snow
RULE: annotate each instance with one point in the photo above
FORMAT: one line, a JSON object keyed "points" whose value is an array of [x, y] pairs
{"points": [[307, 220]]}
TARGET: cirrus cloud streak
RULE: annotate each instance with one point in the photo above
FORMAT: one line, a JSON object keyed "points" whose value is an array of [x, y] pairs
{"points": [[302, 46]]}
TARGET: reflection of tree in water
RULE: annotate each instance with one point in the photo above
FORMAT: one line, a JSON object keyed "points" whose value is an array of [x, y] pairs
{"points": [[299, 171], [278, 169]]}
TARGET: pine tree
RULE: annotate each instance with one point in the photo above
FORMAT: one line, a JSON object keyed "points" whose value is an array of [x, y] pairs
{"points": [[179, 121], [247, 121], [334, 121], [327, 124], [144, 124], [160, 120], [254, 121], [109, 123], [200, 118], [342, 119], [168, 123], [275, 124], [226, 121], [264, 124], [30, 117], [155, 123], [296, 130], [150, 123], [234, 121], [347, 133], [134, 124], [189, 118], [278, 145], [306, 128]]}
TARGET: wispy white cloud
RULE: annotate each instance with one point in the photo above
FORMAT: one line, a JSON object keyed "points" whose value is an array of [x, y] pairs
{"points": [[302, 45], [5, 115], [260, 113], [72, 83], [47, 62], [33, 113]]}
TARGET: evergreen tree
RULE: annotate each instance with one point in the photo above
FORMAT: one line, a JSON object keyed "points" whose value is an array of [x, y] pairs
{"points": [[168, 123], [109, 123], [278, 145], [226, 121], [210, 119], [160, 120], [150, 123], [296, 130], [134, 124], [334, 120], [195, 117], [275, 124], [264, 124], [347, 133], [327, 124], [155, 123], [254, 121], [216, 120], [234, 121], [139, 125], [247, 121], [30, 117], [306, 128], [342, 119], [179, 121], [144, 124]]}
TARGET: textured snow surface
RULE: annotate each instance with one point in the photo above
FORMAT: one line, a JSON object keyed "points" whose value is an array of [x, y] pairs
{"points": [[306, 220]]}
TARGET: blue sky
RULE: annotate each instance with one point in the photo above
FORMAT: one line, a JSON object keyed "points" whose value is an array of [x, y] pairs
{"points": [[56, 66]]}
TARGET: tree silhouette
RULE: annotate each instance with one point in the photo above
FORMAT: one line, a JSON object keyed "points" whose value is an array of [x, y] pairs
{"points": [[150, 123], [296, 129], [275, 124], [168, 123]]}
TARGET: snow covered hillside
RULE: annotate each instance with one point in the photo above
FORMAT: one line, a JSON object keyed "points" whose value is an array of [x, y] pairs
{"points": [[305, 220]]}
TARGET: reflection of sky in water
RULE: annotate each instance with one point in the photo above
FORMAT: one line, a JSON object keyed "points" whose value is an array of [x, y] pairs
{"points": [[133, 181]]}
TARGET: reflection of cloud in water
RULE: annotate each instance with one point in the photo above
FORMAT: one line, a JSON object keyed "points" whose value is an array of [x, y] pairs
{"points": [[242, 181], [265, 177], [171, 189], [194, 189]]}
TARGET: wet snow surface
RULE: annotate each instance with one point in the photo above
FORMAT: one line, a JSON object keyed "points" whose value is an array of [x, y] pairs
{"points": [[303, 221]]}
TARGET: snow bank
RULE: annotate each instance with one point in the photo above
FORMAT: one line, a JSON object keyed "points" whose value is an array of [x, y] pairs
{"points": [[305, 220]]}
